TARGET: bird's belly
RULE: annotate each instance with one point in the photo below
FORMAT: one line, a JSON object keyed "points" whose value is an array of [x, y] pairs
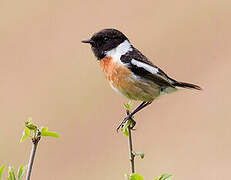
{"points": [[122, 80]]}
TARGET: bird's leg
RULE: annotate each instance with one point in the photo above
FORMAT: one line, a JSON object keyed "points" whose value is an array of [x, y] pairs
{"points": [[129, 116], [141, 106]]}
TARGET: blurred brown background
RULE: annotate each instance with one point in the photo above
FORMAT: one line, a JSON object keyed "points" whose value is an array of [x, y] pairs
{"points": [[46, 73]]}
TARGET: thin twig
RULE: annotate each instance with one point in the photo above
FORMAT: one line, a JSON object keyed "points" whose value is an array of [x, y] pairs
{"points": [[35, 141], [131, 154]]}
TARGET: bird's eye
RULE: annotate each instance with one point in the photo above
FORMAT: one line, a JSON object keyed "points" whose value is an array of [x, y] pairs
{"points": [[105, 38]]}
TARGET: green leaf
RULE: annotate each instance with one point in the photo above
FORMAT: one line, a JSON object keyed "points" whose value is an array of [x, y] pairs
{"points": [[21, 171], [1, 170], [128, 106], [29, 124], [124, 129], [44, 132], [141, 154], [135, 177], [11, 175], [51, 134], [25, 134], [165, 176]]}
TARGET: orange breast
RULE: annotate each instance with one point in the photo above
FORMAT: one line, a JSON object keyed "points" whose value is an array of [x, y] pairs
{"points": [[123, 81], [114, 72]]}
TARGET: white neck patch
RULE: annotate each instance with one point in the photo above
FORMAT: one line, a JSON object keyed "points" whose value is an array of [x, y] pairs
{"points": [[120, 50]]}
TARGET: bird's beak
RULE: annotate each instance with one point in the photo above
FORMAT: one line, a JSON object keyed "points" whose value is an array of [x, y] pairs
{"points": [[88, 41]]}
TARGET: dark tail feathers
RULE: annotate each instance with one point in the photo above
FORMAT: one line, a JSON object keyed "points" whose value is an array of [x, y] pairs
{"points": [[183, 84], [186, 85]]}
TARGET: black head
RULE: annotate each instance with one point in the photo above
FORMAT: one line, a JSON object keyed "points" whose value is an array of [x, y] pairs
{"points": [[105, 40]]}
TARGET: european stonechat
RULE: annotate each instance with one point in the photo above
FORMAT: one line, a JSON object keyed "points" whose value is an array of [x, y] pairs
{"points": [[129, 72]]}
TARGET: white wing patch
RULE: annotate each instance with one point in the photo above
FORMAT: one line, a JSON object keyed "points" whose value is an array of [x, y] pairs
{"points": [[147, 67]]}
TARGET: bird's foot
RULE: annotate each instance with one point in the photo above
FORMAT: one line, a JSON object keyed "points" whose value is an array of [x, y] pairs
{"points": [[131, 124]]}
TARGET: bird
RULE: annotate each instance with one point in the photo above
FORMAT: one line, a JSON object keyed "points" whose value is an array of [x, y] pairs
{"points": [[129, 72]]}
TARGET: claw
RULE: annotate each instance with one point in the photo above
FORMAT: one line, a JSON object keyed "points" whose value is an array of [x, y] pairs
{"points": [[125, 120], [122, 123]]}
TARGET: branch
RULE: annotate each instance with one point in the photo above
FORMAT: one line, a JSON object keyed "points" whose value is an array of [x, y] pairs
{"points": [[37, 133], [131, 154], [35, 141], [127, 126]]}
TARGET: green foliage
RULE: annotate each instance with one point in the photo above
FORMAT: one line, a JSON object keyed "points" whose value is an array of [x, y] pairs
{"points": [[11, 175], [33, 132], [164, 176], [44, 132], [124, 129], [1, 170], [133, 176], [128, 106], [29, 124], [30, 128], [136, 176], [141, 154], [25, 134], [21, 171]]}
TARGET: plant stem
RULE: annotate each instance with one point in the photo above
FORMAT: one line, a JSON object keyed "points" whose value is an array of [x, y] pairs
{"points": [[131, 154], [35, 142], [131, 158]]}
